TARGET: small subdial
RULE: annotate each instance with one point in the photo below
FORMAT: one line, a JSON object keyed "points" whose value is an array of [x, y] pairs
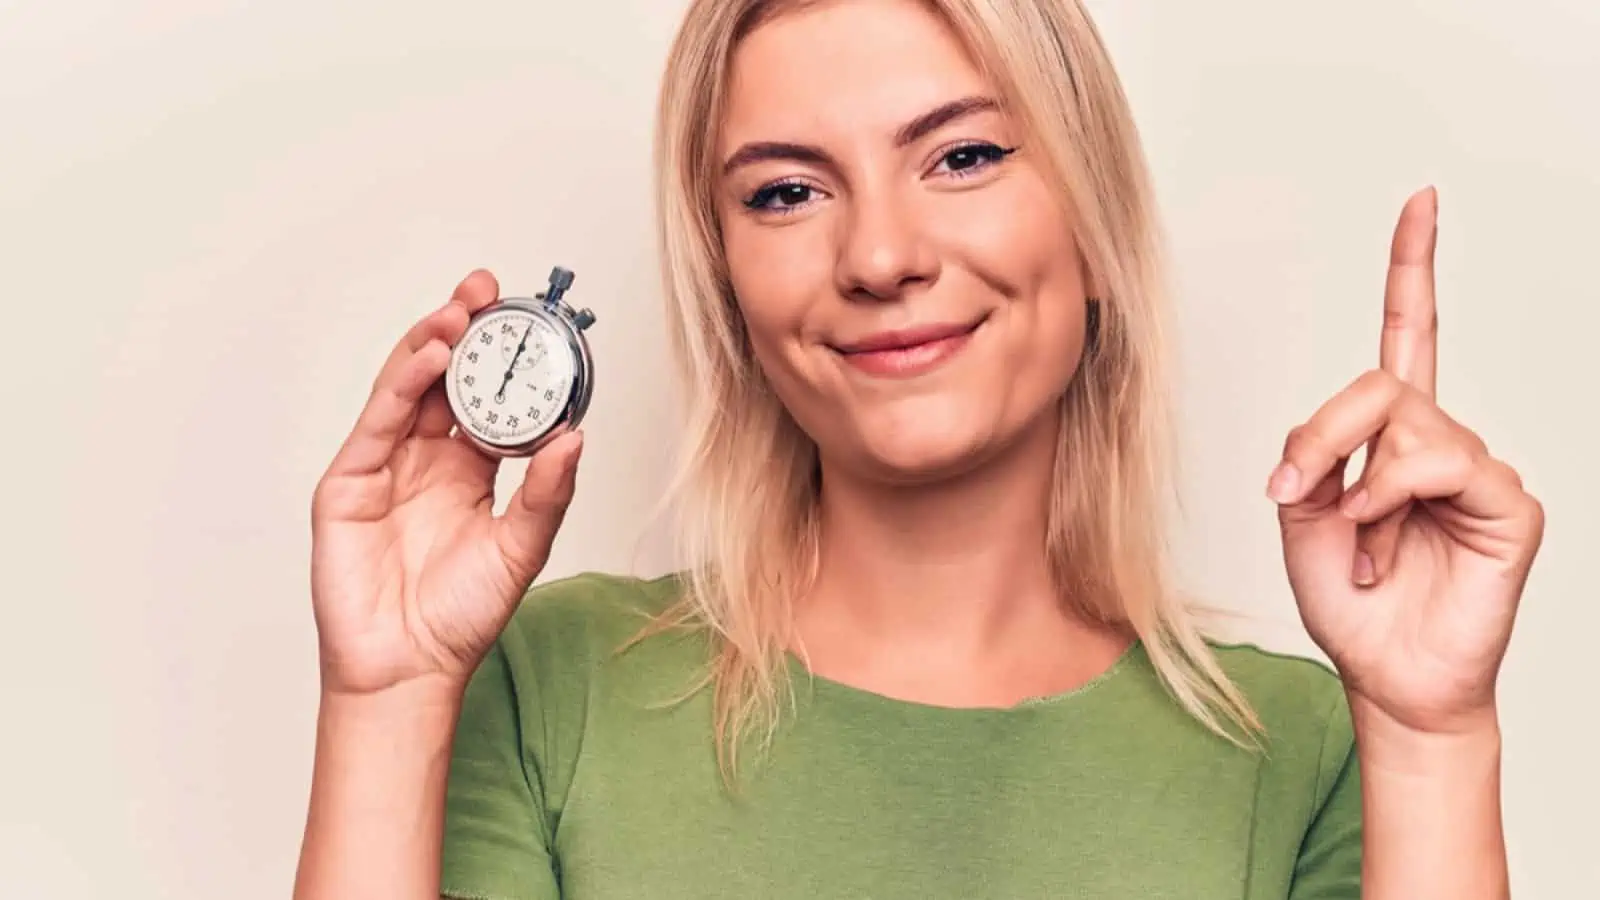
{"points": [[511, 339]]}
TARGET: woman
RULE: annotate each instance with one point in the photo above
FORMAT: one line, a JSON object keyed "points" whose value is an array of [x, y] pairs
{"points": [[924, 645]]}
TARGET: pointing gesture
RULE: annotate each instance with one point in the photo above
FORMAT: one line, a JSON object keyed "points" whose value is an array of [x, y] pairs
{"points": [[1409, 578], [1408, 349]]}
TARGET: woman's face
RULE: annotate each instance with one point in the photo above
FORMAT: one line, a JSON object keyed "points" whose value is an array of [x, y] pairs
{"points": [[910, 281]]}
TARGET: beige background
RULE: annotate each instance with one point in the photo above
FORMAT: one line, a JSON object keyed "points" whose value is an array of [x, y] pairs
{"points": [[216, 216]]}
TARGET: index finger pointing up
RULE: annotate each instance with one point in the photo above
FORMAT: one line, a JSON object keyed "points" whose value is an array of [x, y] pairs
{"points": [[1409, 348]]}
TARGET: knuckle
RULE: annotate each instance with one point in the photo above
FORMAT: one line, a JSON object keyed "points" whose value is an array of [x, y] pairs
{"points": [[1301, 441], [1400, 438], [1536, 514], [1378, 381], [325, 500], [1460, 462], [550, 504], [1512, 476], [1400, 319], [1493, 468], [1530, 516], [1474, 442]]}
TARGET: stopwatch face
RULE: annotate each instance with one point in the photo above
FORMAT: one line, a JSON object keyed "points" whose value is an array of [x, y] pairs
{"points": [[511, 377]]}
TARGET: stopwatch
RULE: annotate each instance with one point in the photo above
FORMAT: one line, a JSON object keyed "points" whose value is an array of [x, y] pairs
{"points": [[522, 372]]}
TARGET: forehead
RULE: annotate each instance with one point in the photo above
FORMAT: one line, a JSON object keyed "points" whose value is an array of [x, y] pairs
{"points": [[840, 67]]}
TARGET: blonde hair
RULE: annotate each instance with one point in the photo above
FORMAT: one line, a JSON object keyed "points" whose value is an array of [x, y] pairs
{"points": [[745, 495]]}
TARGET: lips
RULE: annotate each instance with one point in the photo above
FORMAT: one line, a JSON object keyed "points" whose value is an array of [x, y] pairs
{"points": [[906, 338], [909, 351]]}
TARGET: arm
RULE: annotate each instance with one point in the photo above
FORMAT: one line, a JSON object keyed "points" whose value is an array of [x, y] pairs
{"points": [[423, 790], [376, 817], [1431, 810]]}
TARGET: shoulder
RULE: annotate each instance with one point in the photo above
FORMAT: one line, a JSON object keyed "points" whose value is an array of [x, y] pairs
{"points": [[1298, 703], [591, 602], [1310, 776], [575, 648], [1280, 684], [526, 714], [1302, 706], [576, 621]]}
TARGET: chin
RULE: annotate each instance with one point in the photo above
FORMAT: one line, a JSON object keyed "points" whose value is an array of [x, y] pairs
{"points": [[921, 449]]}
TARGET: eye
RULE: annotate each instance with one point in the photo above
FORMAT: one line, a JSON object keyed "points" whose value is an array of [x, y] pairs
{"points": [[970, 159], [781, 197]]}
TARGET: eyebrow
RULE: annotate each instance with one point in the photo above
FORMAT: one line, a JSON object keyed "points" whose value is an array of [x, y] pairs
{"points": [[909, 133]]}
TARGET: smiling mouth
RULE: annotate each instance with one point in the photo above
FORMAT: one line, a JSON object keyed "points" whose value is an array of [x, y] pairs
{"points": [[908, 352]]}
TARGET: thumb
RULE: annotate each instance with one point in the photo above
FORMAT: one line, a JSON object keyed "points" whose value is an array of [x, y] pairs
{"points": [[527, 529]]}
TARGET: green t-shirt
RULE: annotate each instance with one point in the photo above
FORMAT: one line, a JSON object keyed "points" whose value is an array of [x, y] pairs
{"points": [[574, 776]]}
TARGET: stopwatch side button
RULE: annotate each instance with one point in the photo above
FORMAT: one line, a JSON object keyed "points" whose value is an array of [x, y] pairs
{"points": [[582, 319], [560, 280]]}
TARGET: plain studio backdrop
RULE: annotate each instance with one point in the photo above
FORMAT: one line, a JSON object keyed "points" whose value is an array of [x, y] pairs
{"points": [[216, 218]]}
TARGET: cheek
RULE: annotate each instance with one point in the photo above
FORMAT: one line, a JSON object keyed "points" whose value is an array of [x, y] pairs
{"points": [[1023, 245], [1025, 238], [776, 277]]}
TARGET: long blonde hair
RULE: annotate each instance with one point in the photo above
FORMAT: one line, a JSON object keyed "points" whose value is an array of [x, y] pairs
{"points": [[745, 494]]}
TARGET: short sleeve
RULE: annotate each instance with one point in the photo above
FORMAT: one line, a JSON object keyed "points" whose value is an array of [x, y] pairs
{"points": [[496, 832], [1329, 864]]}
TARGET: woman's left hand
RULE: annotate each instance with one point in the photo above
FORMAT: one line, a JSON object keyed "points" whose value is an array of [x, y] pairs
{"points": [[1409, 579]]}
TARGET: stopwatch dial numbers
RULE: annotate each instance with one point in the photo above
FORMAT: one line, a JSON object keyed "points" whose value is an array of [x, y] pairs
{"points": [[514, 350], [512, 378]]}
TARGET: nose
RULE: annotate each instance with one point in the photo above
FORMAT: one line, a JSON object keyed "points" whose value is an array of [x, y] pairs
{"points": [[883, 252]]}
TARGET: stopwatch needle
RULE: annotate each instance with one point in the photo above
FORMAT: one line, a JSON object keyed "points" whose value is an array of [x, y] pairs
{"points": [[522, 346]]}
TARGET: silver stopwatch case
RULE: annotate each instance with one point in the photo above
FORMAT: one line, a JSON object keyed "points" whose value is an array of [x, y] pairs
{"points": [[547, 378]]}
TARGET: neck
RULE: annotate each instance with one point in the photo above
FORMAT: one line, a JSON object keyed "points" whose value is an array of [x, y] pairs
{"points": [[959, 563]]}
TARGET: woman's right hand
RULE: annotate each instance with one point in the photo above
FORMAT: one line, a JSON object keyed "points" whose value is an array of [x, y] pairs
{"points": [[413, 577]]}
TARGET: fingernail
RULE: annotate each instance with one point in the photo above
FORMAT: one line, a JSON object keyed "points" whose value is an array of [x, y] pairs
{"points": [[1354, 503], [1364, 573], [1285, 479], [575, 450]]}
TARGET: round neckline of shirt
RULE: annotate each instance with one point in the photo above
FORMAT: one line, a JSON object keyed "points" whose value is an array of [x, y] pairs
{"points": [[822, 687]]}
